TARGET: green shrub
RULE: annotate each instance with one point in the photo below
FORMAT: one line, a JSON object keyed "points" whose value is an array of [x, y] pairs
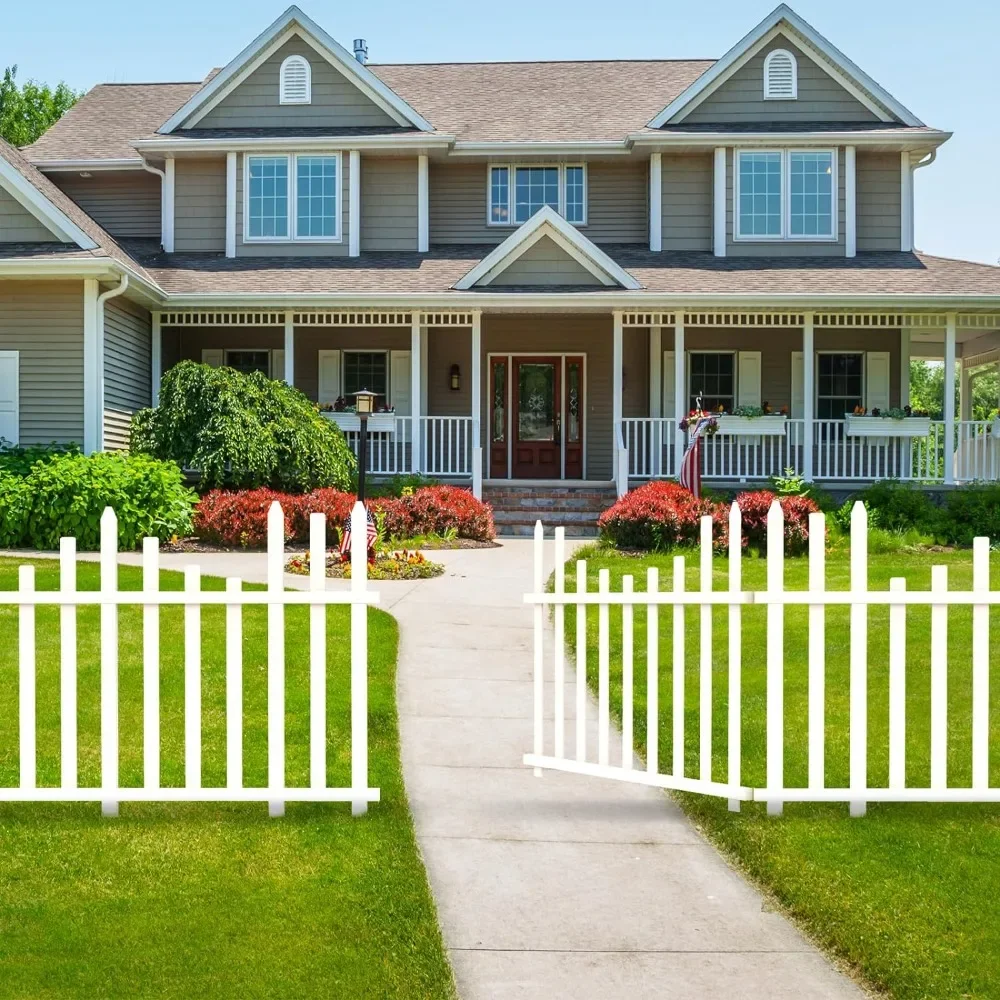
{"points": [[900, 506], [242, 431], [972, 511], [15, 504], [793, 485], [402, 485], [67, 494], [18, 459]]}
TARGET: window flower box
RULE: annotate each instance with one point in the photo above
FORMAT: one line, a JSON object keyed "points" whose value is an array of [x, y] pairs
{"points": [[883, 427], [378, 423], [768, 425]]}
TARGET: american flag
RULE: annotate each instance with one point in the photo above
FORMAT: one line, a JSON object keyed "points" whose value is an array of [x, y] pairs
{"points": [[372, 532], [690, 477]]}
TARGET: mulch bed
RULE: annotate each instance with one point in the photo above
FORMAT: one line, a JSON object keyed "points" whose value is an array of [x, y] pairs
{"points": [[197, 545]]}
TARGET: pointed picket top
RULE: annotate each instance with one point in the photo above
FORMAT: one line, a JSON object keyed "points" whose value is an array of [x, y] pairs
{"points": [[775, 546], [109, 521], [859, 546]]}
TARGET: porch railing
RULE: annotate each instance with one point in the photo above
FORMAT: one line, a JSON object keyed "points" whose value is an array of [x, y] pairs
{"points": [[389, 452], [445, 447]]}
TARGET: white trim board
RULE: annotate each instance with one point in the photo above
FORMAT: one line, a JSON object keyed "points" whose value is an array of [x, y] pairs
{"points": [[566, 236], [784, 20], [293, 22]]}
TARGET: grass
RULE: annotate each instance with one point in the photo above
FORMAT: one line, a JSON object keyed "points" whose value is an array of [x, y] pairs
{"points": [[906, 895], [210, 900]]}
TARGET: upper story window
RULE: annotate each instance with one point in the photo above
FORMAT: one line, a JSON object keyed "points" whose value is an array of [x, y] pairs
{"points": [[781, 76], [276, 184], [517, 192], [295, 81], [786, 194]]}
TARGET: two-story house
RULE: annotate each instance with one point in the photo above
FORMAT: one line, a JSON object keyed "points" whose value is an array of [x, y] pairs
{"points": [[539, 267]]}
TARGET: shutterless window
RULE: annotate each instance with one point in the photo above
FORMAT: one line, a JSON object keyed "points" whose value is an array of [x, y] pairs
{"points": [[367, 370], [760, 194], [786, 195], [712, 378], [516, 193], [250, 361], [267, 206], [576, 206], [316, 196], [839, 383]]}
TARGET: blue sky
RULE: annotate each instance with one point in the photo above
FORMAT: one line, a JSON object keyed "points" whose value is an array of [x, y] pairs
{"points": [[939, 59]]}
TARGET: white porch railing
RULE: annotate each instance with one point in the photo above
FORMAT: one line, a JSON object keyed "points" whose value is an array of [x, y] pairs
{"points": [[735, 456], [446, 447], [650, 442], [977, 455], [388, 451]]}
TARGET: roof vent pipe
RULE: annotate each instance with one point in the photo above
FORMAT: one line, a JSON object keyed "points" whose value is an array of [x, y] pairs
{"points": [[360, 51]]}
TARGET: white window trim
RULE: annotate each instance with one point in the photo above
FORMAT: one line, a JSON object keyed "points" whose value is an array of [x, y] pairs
{"points": [[511, 167], [795, 76], [366, 350], [785, 236], [292, 159], [226, 351], [864, 380], [721, 350], [282, 96]]}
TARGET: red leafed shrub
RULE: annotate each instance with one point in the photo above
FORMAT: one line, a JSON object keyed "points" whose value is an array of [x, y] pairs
{"points": [[754, 507], [437, 509], [239, 517], [655, 516]]}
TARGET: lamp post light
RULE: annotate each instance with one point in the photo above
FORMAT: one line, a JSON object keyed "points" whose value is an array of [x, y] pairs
{"points": [[364, 401]]}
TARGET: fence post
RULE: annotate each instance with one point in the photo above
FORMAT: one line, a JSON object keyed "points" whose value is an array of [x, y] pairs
{"points": [[151, 665], [628, 672], [817, 652], [897, 688], [109, 662], [603, 670], [276, 658], [559, 614], [939, 682], [359, 660], [735, 734], [192, 678], [26, 680], [581, 663], [859, 660], [705, 655], [234, 685], [539, 677], [652, 672], [67, 663], [775, 658], [678, 670], [980, 666], [317, 650]]}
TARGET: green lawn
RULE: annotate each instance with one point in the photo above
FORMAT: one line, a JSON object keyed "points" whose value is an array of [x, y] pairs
{"points": [[908, 894], [202, 900]]}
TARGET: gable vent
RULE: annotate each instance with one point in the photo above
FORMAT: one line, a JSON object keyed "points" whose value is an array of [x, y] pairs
{"points": [[780, 76], [295, 81]]}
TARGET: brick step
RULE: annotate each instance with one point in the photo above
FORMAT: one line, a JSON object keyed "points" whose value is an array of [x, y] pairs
{"points": [[545, 506], [546, 517], [527, 530]]}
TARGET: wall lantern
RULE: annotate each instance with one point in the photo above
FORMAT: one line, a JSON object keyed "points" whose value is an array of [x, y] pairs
{"points": [[455, 378]]}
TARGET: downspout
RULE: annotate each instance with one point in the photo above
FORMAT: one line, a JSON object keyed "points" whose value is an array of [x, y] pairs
{"points": [[163, 191], [111, 293], [914, 167]]}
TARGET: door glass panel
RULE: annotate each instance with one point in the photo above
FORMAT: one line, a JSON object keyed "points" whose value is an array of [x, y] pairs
{"points": [[499, 408], [573, 402], [536, 419]]}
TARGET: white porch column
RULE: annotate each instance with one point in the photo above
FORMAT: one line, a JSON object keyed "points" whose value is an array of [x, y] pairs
{"points": [[168, 205], [289, 374], [423, 206], [354, 204], [680, 391], [155, 359], [416, 395], [655, 202], [719, 204], [904, 367], [477, 403], [617, 372], [92, 404], [949, 399], [850, 203], [655, 371], [231, 204], [808, 395], [906, 202]]}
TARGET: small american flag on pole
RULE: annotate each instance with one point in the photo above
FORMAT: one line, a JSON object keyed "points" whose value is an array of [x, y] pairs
{"points": [[690, 477], [372, 533]]}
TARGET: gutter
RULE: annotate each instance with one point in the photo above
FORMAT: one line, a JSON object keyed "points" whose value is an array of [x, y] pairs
{"points": [[55, 166], [911, 138], [111, 293], [420, 140]]}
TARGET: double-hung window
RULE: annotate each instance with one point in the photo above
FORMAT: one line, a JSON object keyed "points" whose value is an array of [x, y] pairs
{"points": [[367, 370], [786, 194], [712, 377], [292, 198], [839, 385], [517, 192]]}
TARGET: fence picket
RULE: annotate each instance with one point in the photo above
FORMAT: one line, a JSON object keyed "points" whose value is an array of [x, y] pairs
{"points": [[859, 660], [359, 662], [817, 652], [109, 662], [234, 685], [603, 671], [150, 665], [775, 736], [652, 673], [980, 666], [897, 688], [560, 644], [192, 678], [276, 657], [67, 665], [678, 671], [26, 680], [628, 678], [735, 733], [581, 663], [705, 655], [317, 652], [539, 676], [939, 682]]}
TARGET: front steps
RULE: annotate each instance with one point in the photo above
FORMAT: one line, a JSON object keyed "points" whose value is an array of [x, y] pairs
{"points": [[575, 508]]}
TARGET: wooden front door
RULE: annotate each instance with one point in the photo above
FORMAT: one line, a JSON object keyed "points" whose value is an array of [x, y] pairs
{"points": [[537, 417]]}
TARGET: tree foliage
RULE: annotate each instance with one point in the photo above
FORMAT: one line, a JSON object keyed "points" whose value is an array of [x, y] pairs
{"points": [[242, 431], [26, 111], [927, 390]]}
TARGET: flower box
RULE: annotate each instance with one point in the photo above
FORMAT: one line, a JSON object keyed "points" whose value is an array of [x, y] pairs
{"points": [[377, 423], [769, 425], [882, 427]]}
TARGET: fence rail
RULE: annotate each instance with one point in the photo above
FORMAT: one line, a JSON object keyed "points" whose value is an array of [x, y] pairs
{"points": [[109, 598], [549, 746]]}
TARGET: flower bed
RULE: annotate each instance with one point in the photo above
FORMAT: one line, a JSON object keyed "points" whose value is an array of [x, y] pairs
{"points": [[400, 565]]}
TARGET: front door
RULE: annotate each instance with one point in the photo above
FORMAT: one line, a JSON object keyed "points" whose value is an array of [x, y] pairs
{"points": [[537, 443]]}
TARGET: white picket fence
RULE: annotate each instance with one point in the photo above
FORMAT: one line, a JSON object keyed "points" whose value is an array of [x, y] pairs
{"points": [[192, 598], [550, 750]]}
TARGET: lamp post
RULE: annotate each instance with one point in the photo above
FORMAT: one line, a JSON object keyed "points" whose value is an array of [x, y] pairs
{"points": [[364, 406]]}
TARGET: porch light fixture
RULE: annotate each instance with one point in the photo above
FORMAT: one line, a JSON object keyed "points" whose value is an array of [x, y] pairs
{"points": [[455, 378], [364, 406], [364, 402]]}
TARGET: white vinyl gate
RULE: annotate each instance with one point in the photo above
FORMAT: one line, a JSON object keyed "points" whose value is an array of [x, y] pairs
{"points": [[557, 749]]}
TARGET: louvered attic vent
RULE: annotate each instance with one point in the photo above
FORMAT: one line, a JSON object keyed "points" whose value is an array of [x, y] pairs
{"points": [[780, 76], [296, 82]]}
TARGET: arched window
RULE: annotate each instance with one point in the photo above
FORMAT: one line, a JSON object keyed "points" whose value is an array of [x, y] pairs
{"points": [[295, 81], [781, 78]]}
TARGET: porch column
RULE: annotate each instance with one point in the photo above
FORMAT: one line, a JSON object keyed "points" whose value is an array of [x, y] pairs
{"points": [[680, 391], [904, 367], [354, 204], [423, 205], [808, 395], [167, 236], [655, 371], [416, 368], [155, 359], [949, 399], [617, 371], [477, 403], [289, 374]]}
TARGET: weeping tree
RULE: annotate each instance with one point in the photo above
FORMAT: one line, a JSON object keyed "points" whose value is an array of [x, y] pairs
{"points": [[242, 431]]}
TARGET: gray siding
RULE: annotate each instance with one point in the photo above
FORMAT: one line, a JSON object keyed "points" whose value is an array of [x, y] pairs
{"points": [[200, 205], [18, 225], [43, 320], [617, 202], [336, 101], [458, 205], [295, 248], [687, 186], [125, 202], [741, 97], [388, 203], [126, 368], [879, 200], [545, 263], [786, 248]]}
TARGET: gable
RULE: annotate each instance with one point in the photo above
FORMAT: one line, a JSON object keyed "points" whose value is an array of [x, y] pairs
{"points": [[545, 263], [336, 101], [820, 97], [18, 225]]}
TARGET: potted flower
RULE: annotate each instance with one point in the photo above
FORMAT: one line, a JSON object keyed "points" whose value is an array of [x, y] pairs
{"points": [[341, 413], [889, 422], [754, 421]]}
